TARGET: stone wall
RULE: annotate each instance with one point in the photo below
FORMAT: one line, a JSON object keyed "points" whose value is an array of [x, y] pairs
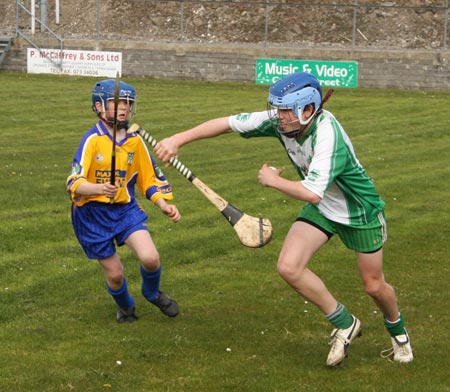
{"points": [[399, 69]]}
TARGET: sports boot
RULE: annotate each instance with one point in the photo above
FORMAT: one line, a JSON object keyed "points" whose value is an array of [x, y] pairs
{"points": [[340, 340], [126, 315], [166, 304], [401, 350]]}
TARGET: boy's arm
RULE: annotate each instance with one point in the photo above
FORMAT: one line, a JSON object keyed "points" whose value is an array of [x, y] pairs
{"points": [[169, 210], [91, 189], [168, 147], [271, 177]]}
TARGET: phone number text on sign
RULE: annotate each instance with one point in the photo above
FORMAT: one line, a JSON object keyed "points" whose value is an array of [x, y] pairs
{"points": [[74, 62]]}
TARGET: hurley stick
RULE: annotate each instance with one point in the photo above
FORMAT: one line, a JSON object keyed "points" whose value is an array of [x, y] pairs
{"points": [[113, 152], [252, 232]]}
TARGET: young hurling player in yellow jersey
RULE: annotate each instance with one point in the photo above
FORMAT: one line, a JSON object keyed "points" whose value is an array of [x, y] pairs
{"points": [[340, 199], [105, 215]]}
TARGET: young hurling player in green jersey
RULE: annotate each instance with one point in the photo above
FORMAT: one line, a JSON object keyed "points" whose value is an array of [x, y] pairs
{"points": [[340, 199]]}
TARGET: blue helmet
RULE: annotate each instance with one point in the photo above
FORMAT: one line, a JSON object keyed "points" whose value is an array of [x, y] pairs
{"points": [[104, 91], [296, 91]]}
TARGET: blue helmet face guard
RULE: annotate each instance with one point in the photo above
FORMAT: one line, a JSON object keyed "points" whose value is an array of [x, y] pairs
{"points": [[295, 92], [104, 91]]}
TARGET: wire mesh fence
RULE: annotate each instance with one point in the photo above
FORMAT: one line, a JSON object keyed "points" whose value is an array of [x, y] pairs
{"points": [[399, 24]]}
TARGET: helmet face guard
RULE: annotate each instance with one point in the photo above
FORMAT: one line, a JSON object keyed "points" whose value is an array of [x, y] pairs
{"points": [[295, 92], [104, 91]]}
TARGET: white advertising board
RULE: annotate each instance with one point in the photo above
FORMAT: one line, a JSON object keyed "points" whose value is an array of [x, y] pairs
{"points": [[74, 62]]}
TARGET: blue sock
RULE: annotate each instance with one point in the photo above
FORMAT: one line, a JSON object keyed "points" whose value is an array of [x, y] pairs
{"points": [[150, 283], [122, 297]]}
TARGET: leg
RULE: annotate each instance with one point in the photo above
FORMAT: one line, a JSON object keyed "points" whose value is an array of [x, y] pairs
{"points": [[141, 243], [300, 245], [113, 270], [302, 242], [370, 267], [117, 287]]}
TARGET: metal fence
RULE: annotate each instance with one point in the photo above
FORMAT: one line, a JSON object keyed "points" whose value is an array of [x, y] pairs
{"points": [[401, 24]]}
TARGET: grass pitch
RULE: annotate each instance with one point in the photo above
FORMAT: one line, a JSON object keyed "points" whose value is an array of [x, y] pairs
{"points": [[241, 328]]}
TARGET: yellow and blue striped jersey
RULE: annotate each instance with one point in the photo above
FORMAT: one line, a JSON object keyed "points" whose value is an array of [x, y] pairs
{"points": [[134, 166]]}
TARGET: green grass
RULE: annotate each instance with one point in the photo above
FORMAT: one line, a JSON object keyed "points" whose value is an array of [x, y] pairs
{"points": [[57, 328]]}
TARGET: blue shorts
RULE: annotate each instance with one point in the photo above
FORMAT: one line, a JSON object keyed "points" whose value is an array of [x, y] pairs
{"points": [[99, 226]]}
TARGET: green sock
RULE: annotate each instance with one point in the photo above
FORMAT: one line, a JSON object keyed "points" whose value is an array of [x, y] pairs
{"points": [[395, 327], [340, 318]]}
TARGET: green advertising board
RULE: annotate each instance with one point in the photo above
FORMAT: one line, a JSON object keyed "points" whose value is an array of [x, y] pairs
{"points": [[330, 73]]}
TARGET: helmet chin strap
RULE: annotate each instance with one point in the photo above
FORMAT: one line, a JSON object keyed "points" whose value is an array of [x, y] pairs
{"points": [[295, 132], [110, 122]]}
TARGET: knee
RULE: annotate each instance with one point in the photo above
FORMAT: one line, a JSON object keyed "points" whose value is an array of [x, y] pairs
{"points": [[286, 269], [374, 287], [115, 279], [150, 261]]}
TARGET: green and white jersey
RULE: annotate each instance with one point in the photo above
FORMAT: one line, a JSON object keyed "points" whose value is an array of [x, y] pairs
{"points": [[326, 162]]}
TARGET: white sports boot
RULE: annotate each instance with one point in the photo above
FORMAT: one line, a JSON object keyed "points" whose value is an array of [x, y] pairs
{"points": [[401, 350], [340, 340]]}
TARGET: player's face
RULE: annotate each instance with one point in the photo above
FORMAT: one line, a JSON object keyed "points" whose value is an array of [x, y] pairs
{"points": [[123, 109], [288, 120]]}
